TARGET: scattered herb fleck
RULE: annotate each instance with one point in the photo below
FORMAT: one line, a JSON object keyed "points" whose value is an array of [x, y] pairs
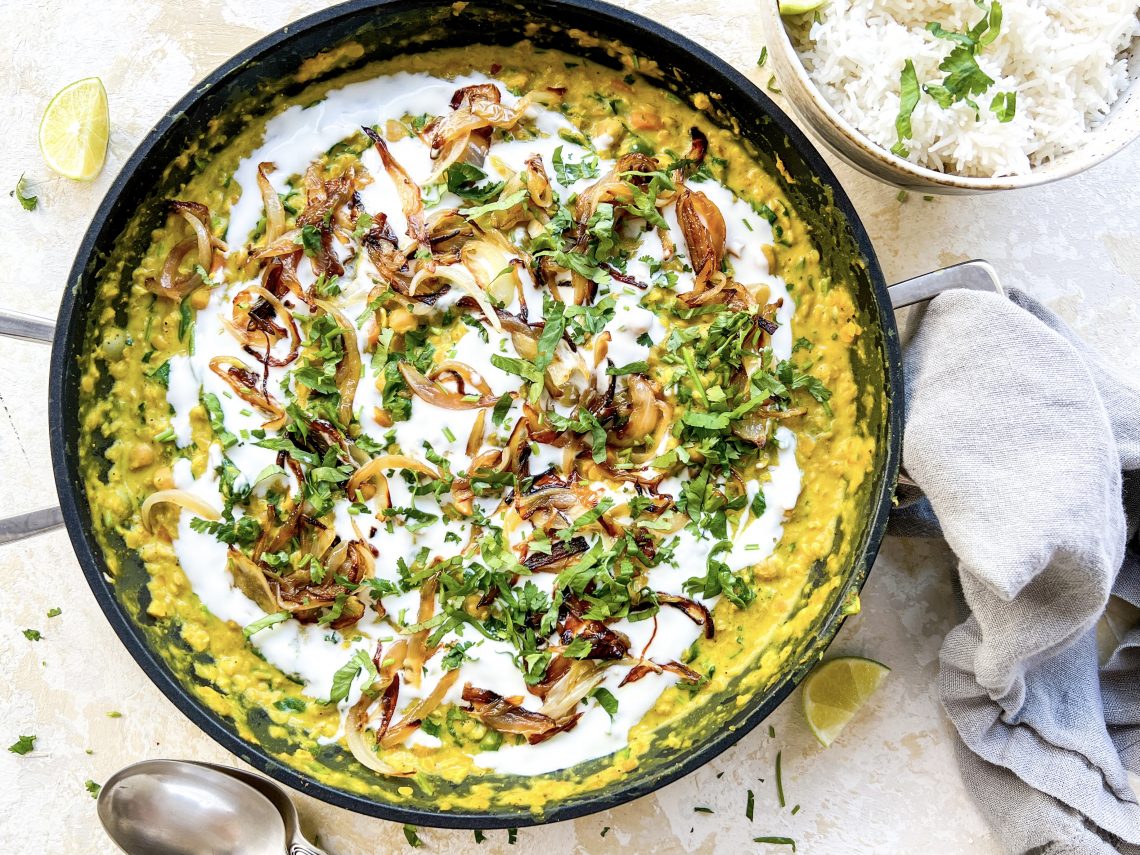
{"points": [[27, 201], [778, 841], [412, 837], [779, 780], [23, 745]]}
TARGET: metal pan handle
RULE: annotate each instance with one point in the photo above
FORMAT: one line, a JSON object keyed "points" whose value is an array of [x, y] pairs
{"points": [[974, 275], [31, 328]]}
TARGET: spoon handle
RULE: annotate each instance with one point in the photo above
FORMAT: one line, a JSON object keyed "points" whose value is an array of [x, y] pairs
{"points": [[305, 848]]}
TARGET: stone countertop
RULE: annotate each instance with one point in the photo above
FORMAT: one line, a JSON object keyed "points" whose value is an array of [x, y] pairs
{"points": [[889, 784]]}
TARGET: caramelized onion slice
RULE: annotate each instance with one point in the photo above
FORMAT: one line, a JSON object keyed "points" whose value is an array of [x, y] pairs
{"points": [[433, 394], [416, 713], [171, 284], [411, 200], [245, 382], [348, 372], [250, 579], [694, 611], [703, 227], [376, 466], [183, 498], [499, 714], [274, 210], [580, 679]]}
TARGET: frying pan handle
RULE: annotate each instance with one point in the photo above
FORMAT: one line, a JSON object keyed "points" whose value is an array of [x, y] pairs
{"points": [[24, 327], [17, 325], [974, 275]]}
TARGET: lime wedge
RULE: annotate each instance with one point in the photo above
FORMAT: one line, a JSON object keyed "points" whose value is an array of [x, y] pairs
{"points": [[74, 130], [836, 690], [798, 7]]}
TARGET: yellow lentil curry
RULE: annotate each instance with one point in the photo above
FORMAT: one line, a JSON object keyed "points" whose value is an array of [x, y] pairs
{"points": [[475, 414]]}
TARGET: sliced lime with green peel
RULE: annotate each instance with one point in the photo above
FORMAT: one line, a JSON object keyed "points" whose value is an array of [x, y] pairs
{"points": [[75, 128], [836, 690], [799, 7]]}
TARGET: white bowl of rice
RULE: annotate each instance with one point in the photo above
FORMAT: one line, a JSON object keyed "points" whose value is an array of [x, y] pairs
{"points": [[954, 96]]}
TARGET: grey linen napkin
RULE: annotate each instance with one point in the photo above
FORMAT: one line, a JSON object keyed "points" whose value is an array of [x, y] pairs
{"points": [[1027, 449]]}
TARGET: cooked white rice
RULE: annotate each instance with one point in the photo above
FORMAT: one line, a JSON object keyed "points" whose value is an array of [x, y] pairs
{"points": [[1066, 60]]}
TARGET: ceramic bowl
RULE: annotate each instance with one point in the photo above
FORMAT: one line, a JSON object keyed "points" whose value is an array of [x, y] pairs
{"points": [[1121, 127]]}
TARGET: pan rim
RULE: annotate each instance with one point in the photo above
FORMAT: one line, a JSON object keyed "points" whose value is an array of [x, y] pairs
{"points": [[70, 487]]}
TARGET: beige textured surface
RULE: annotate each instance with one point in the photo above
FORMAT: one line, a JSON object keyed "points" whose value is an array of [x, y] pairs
{"points": [[888, 785]]}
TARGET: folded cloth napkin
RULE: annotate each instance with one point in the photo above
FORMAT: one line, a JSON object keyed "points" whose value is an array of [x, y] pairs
{"points": [[1027, 450]]}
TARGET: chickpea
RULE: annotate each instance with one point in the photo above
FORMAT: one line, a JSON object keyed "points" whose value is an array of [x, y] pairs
{"points": [[644, 119], [394, 130], [770, 256], [401, 320], [163, 478], [199, 298], [140, 456]]}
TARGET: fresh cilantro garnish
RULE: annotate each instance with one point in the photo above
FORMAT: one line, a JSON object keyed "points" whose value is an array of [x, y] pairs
{"points": [[23, 745], [27, 201], [359, 662], [568, 172], [310, 240], [33, 635], [412, 837], [606, 701], [908, 100], [463, 179], [265, 623]]}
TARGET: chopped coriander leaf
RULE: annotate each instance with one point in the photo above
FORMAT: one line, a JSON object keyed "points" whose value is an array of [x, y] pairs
{"points": [[55, 612], [908, 100], [504, 203], [465, 181], [569, 172], [606, 701], [629, 368], [265, 623], [290, 704], [33, 635], [310, 241], [457, 655], [27, 201], [93, 788], [1004, 106], [778, 841], [412, 837], [23, 745], [779, 780], [763, 57], [342, 679]]}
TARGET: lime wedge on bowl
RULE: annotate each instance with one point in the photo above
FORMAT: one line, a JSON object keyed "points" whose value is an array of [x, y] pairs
{"points": [[836, 690], [798, 7], [74, 130]]}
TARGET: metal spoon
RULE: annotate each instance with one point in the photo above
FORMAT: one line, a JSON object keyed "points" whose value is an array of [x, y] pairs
{"points": [[167, 807], [298, 844]]}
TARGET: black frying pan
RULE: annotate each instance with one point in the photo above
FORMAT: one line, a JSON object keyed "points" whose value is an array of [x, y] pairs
{"points": [[134, 205]]}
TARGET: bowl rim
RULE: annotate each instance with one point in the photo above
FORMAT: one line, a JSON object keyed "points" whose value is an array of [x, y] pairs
{"points": [[63, 390], [779, 39]]}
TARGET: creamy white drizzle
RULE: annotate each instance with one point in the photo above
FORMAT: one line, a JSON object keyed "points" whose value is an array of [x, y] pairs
{"points": [[292, 140]]}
